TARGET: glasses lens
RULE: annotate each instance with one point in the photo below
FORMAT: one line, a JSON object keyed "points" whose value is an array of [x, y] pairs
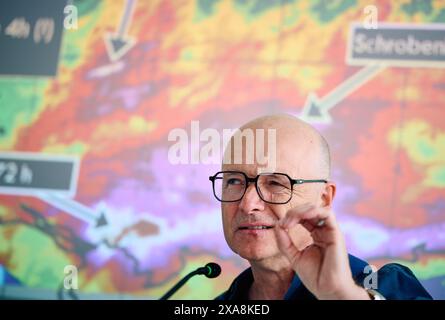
{"points": [[229, 186], [275, 188]]}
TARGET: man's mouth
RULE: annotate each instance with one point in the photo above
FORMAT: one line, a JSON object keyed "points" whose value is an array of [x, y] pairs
{"points": [[255, 227]]}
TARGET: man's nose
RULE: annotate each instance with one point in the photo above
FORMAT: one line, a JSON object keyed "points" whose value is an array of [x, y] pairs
{"points": [[251, 200]]}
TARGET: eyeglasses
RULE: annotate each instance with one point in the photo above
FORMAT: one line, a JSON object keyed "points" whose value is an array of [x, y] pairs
{"points": [[273, 188]]}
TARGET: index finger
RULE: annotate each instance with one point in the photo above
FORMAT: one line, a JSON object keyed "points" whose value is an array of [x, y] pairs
{"points": [[325, 219], [309, 214]]}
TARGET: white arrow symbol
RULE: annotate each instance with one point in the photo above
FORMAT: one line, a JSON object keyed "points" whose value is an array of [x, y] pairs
{"points": [[316, 110], [118, 44], [74, 208]]}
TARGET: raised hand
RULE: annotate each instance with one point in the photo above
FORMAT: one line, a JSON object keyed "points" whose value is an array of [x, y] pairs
{"points": [[323, 266]]}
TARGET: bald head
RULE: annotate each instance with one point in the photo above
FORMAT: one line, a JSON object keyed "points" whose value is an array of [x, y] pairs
{"points": [[299, 146]]}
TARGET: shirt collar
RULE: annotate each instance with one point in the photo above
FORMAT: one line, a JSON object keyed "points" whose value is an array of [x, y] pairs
{"points": [[239, 290]]}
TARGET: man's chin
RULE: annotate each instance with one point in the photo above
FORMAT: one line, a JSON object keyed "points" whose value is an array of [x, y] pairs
{"points": [[255, 254]]}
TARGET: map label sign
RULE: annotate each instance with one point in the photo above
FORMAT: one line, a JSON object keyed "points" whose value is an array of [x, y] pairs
{"points": [[399, 45], [23, 173], [30, 36]]}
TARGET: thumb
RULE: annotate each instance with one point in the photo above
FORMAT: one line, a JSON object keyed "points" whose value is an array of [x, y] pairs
{"points": [[285, 244]]}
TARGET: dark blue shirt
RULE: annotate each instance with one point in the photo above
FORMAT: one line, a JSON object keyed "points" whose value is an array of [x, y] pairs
{"points": [[394, 282]]}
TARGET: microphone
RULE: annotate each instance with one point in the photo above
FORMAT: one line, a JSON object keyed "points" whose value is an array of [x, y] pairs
{"points": [[210, 270]]}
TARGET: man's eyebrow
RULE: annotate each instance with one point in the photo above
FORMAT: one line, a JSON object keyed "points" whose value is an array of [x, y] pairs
{"points": [[249, 173], [267, 170]]}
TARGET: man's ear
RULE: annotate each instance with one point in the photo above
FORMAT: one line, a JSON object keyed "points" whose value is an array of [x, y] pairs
{"points": [[328, 194]]}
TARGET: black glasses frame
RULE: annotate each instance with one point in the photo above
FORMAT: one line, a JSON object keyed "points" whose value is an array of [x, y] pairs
{"points": [[255, 180]]}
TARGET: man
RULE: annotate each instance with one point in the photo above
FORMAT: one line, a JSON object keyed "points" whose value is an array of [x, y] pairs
{"points": [[278, 215]]}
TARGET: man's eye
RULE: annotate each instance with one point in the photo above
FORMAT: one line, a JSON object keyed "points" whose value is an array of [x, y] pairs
{"points": [[234, 181], [275, 183]]}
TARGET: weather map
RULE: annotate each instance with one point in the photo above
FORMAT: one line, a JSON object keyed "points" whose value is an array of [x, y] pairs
{"points": [[96, 114]]}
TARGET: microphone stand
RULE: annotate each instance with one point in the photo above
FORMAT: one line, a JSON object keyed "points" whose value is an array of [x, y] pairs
{"points": [[179, 284]]}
